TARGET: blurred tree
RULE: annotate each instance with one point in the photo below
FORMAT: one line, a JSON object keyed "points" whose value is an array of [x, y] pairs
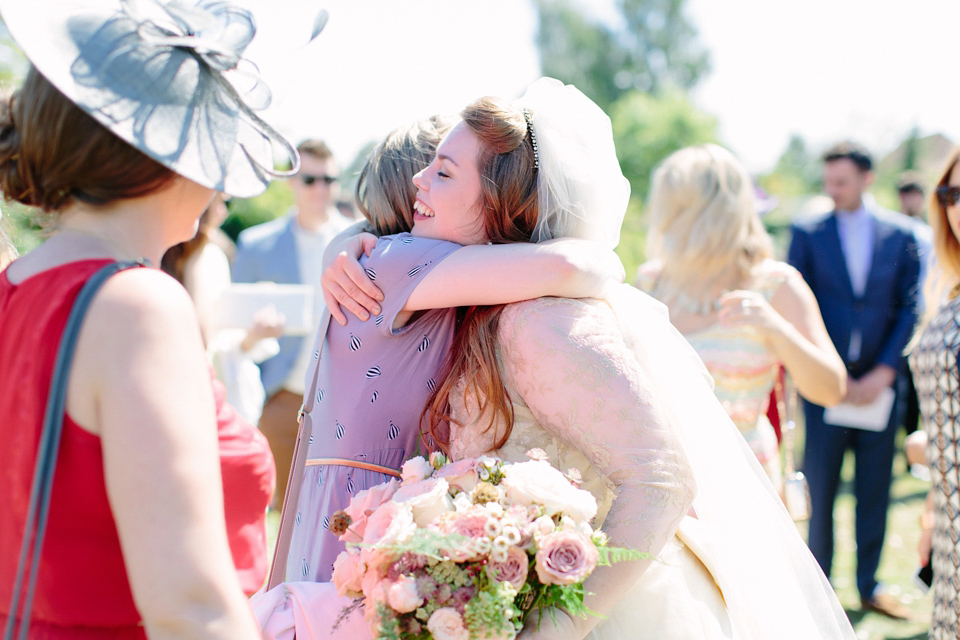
{"points": [[652, 47], [796, 173], [649, 127], [911, 149], [646, 129], [246, 212]]}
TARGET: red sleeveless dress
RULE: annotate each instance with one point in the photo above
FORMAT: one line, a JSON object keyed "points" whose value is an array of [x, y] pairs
{"points": [[82, 588]]}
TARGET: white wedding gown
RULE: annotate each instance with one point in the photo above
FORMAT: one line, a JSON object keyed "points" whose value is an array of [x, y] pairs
{"points": [[610, 388]]}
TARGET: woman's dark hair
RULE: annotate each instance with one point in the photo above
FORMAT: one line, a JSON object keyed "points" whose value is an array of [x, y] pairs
{"points": [[174, 260], [52, 153]]}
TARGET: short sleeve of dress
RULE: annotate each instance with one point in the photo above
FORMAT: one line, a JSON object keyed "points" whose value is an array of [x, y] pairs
{"points": [[770, 275], [397, 265], [647, 275]]}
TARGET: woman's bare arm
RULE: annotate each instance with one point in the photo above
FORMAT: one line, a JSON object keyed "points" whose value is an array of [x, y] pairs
{"points": [[141, 382]]}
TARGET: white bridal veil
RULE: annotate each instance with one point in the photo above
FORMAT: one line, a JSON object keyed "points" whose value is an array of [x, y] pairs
{"points": [[770, 581]]}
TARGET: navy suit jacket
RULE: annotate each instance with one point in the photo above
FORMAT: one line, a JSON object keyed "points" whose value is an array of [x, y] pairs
{"points": [[268, 253], [886, 312]]}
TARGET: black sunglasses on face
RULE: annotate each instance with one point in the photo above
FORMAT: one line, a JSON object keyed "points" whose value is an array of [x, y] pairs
{"points": [[948, 196], [308, 180]]}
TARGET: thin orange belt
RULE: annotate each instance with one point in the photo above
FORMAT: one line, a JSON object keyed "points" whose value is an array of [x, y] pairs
{"points": [[356, 464]]}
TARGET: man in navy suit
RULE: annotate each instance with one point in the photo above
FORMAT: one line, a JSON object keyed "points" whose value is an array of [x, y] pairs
{"points": [[289, 250], [862, 264]]}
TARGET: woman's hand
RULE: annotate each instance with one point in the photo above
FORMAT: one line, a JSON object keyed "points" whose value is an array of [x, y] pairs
{"points": [[926, 543], [345, 283], [554, 624], [744, 307], [267, 323]]}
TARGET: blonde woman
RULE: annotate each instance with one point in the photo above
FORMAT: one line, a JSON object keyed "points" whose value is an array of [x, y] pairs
{"points": [[933, 361], [746, 314]]}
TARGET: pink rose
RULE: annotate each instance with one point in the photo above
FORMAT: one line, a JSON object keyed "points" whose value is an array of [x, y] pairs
{"points": [[512, 570], [471, 524], [565, 557], [461, 474], [447, 624], [428, 499], [390, 524], [402, 595], [348, 572], [375, 592], [363, 505]]}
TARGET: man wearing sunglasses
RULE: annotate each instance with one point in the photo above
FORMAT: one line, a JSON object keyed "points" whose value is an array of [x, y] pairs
{"points": [[862, 264], [289, 250]]}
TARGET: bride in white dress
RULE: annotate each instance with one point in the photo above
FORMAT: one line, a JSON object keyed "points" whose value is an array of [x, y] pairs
{"points": [[609, 387]]}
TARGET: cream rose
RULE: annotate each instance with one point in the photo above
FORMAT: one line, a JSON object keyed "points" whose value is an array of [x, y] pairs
{"points": [[536, 482], [565, 557], [415, 470], [447, 624], [428, 499], [402, 595]]}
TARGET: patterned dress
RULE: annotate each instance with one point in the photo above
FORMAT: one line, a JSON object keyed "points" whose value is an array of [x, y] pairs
{"points": [[934, 365], [373, 384], [743, 368]]}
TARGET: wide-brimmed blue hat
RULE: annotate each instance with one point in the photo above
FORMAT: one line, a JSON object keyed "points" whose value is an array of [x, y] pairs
{"points": [[168, 77]]}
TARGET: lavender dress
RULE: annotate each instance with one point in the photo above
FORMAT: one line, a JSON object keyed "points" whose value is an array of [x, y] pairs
{"points": [[373, 384]]}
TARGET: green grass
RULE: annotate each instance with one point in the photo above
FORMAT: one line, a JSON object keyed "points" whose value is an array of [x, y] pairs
{"points": [[897, 564]]}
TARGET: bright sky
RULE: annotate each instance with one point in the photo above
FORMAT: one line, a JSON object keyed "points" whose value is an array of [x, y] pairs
{"points": [[826, 69]]}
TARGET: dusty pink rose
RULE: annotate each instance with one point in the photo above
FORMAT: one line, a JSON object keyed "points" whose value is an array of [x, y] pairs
{"points": [[461, 474], [363, 505], [391, 524], [447, 624], [428, 499], [402, 595], [512, 570], [565, 557], [348, 570]]}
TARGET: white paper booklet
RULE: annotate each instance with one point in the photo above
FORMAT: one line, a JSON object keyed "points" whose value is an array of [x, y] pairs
{"points": [[240, 301], [872, 417]]}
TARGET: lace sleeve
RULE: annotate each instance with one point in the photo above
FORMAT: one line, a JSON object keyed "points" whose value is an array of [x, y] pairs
{"points": [[573, 369]]}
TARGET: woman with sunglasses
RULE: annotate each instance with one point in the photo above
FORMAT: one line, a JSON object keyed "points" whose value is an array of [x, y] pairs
{"points": [[933, 361]]}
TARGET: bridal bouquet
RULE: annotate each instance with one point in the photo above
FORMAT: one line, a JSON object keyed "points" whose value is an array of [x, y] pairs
{"points": [[467, 550]]}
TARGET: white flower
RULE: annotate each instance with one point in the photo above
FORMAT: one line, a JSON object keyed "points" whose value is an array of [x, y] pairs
{"points": [[536, 482], [493, 528], [462, 502], [428, 499], [415, 470]]}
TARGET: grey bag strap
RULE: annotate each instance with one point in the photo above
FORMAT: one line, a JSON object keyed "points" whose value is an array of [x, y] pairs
{"points": [[49, 445], [292, 498]]}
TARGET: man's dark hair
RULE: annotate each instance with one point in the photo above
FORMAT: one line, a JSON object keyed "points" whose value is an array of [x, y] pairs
{"points": [[849, 151], [910, 181]]}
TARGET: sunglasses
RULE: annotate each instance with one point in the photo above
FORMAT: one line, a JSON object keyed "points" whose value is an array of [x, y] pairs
{"points": [[308, 180], [948, 196]]}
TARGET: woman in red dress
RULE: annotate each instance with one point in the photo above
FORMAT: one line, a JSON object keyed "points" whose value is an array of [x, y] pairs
{"points": [[156, 524]]}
